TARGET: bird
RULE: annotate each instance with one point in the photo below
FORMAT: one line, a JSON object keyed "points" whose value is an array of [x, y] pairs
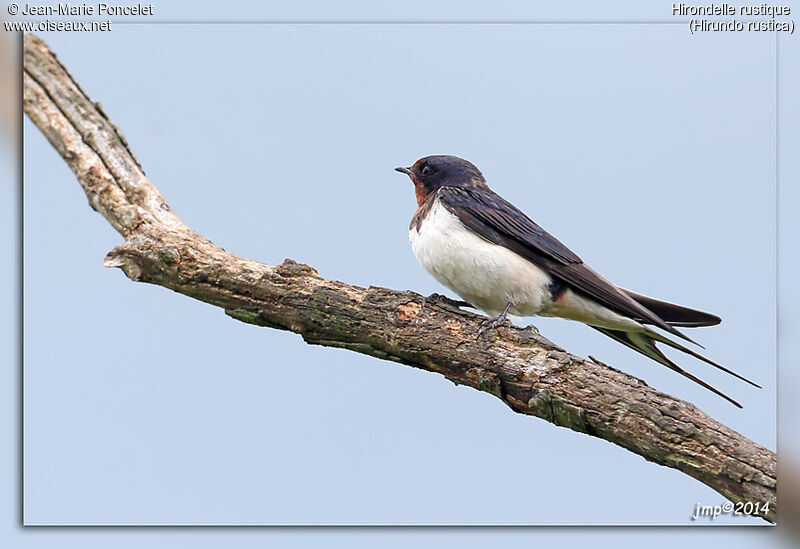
{"points": [[500, 261]]}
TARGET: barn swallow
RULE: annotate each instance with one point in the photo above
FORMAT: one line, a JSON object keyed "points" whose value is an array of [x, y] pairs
{"points": [[501, 262]]}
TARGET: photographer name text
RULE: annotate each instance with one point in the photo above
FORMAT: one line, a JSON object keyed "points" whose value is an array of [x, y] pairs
{"points": [[101, 8]]}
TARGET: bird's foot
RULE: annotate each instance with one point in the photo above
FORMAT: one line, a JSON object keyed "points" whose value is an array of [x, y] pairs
{"points": [[434, 298], [493, 323]]}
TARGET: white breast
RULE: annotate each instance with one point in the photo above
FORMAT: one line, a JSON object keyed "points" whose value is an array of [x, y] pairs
{"points": [[486, 275]]}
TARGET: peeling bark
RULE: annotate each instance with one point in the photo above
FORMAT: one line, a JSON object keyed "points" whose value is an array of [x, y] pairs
{"points": [[526, 371]]}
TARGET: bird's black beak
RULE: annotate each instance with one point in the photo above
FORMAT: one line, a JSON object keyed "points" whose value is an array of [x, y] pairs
{"points": [[406, 171]]}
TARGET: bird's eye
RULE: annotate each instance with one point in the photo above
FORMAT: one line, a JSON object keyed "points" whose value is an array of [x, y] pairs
{"points": [[426, 170]]}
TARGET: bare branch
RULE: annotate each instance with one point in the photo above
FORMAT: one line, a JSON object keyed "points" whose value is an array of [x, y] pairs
{"points": [[530, 374]]}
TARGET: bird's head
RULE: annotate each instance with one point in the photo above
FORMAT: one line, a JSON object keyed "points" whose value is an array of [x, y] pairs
{"points": [[433, 172]]}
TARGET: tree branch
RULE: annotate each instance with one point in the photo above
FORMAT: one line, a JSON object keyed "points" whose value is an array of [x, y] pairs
{"points": [[527, 372]]}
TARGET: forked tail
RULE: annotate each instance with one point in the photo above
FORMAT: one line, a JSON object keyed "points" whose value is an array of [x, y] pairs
{"points": [[645, 343]]}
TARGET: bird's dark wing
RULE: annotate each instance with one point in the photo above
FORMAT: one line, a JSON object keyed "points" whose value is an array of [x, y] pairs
{"points": [[500, 222], [673, 314]]}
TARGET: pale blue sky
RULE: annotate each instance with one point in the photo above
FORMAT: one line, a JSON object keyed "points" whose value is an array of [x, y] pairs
{"points": [[652, 162]]}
